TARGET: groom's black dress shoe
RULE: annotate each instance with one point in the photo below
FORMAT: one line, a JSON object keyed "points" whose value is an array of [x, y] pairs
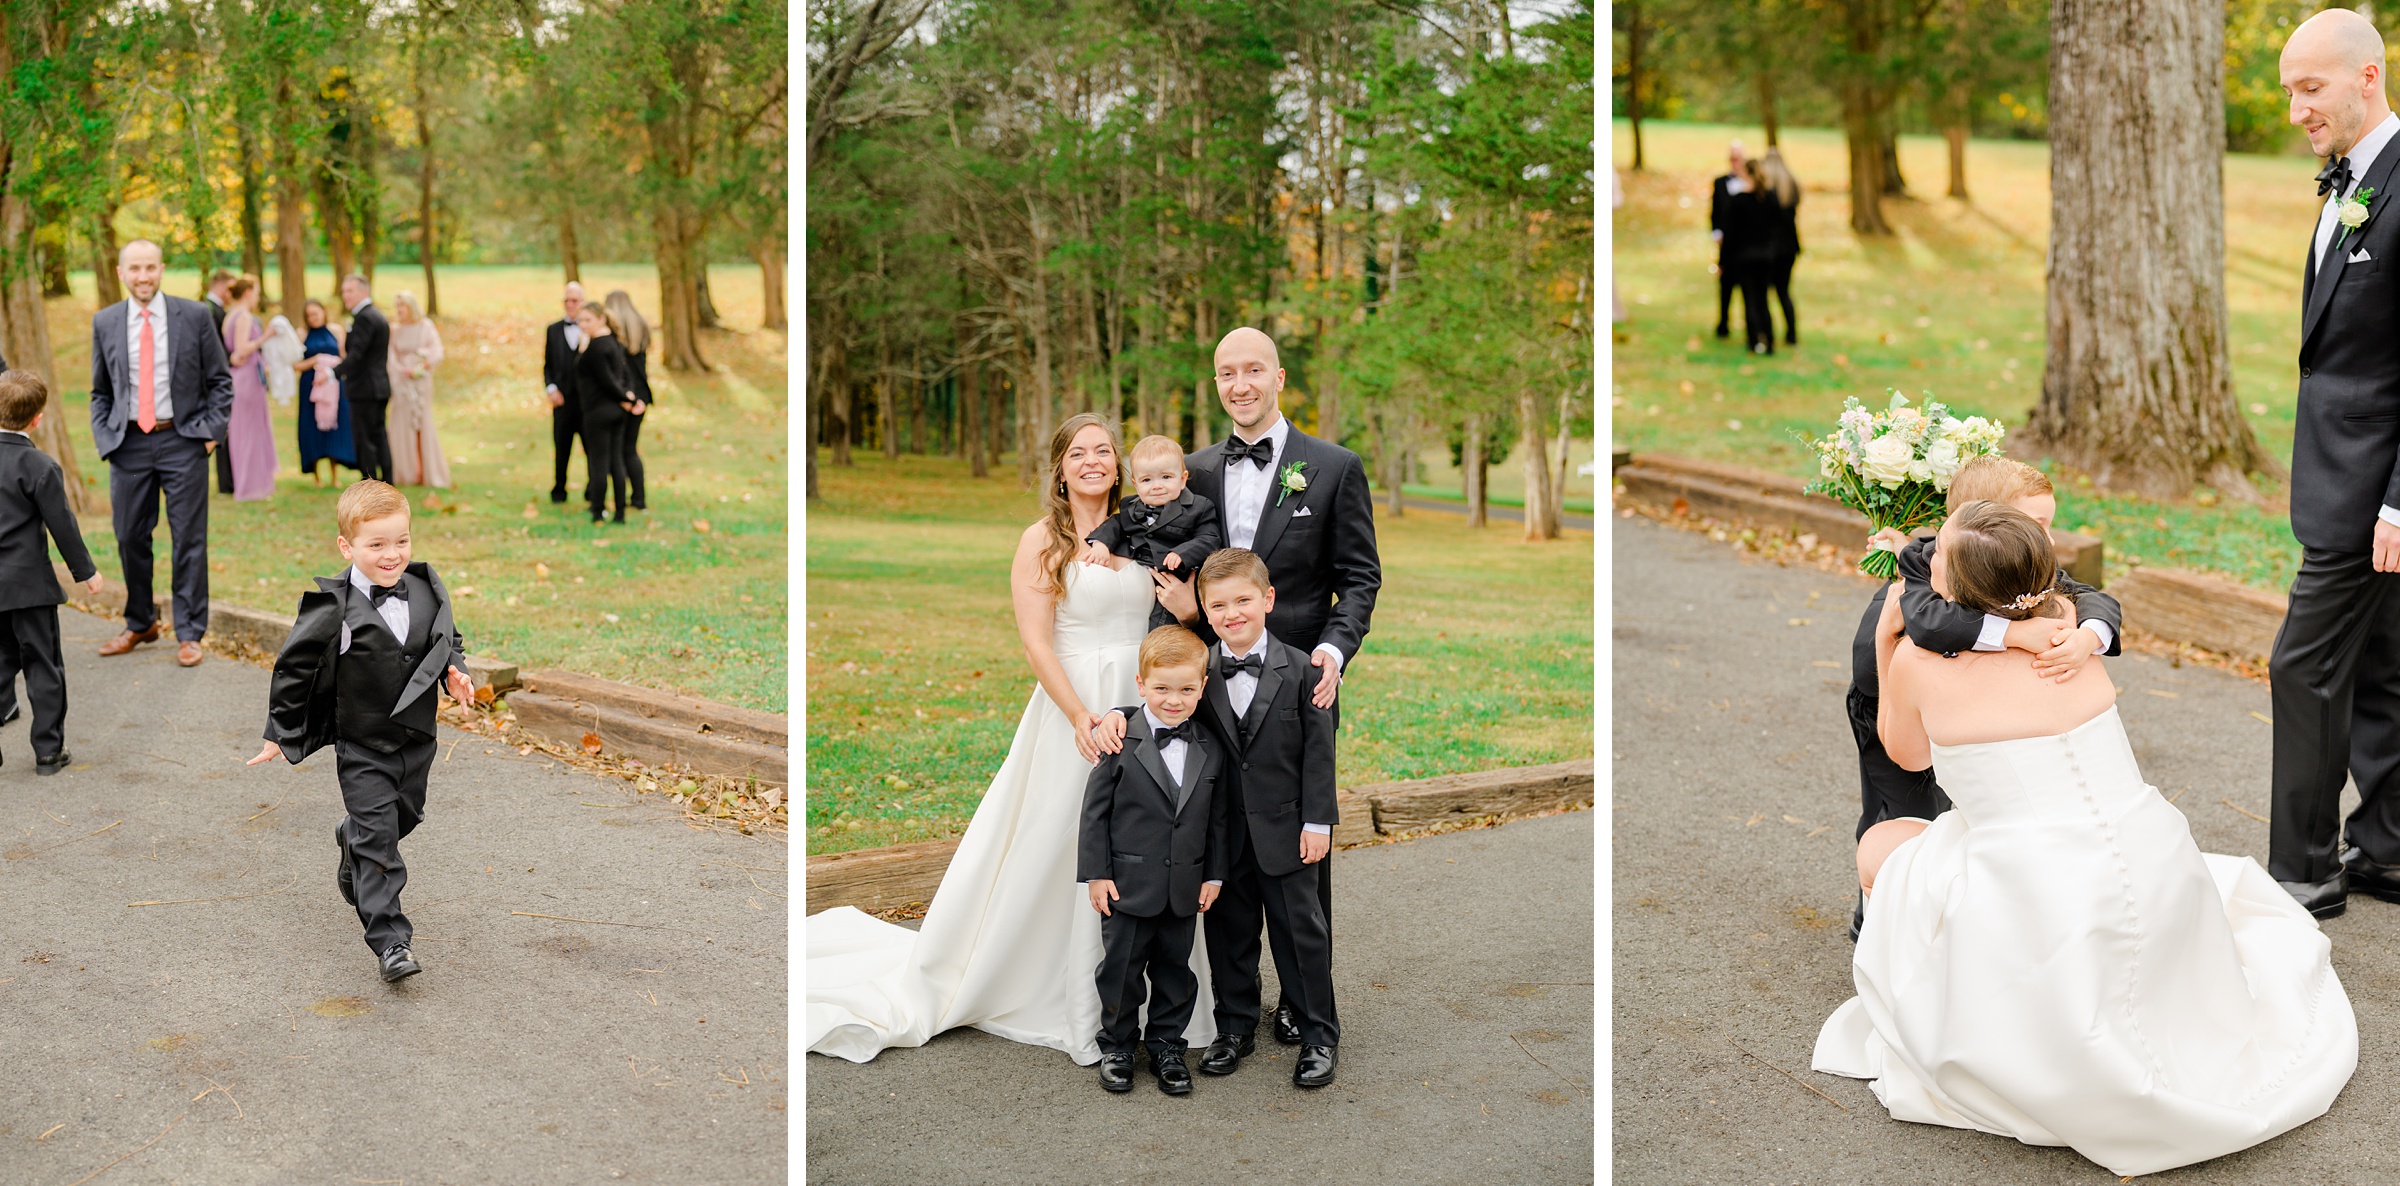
{"points": [[52, 764], [2366, 875], [1174, 1077], [1858, 918], [1116, 1072], [1316, 1067], [344, 872], [1226, 1053], [2321, 898], [1287, 1025], [398, 964]]}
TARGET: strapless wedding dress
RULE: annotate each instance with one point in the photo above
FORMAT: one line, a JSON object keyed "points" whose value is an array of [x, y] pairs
{"points": [[2056, 961], [1010, 942]]}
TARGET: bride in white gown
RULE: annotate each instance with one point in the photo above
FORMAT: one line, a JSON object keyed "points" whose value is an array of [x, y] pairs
{"points": [[2055, 960], [1010, 943]]}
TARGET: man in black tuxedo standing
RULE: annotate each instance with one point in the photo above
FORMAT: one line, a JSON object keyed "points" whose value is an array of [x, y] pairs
{"points": [[2336, 662], [1726, 228], [365, 378], [161, 394], [559, 348], [219, 281], [1302, 505]]}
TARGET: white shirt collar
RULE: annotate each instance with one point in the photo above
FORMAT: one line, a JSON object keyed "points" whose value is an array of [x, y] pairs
{"points": [[360, 581], [17, 433], [1155, 723], [2362, 154], [1256, 648], [361, 305], [157, 306]]}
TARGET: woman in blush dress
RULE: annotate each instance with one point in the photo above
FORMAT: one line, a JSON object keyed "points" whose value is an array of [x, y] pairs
{"points": [[330, 444], [416, 349], [250, 434]]}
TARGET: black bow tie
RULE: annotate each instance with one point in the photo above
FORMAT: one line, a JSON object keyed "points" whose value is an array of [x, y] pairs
{"points": [[1165, 735], [378, 594], [1229, 667], [2335, 177], [1261, 451]]}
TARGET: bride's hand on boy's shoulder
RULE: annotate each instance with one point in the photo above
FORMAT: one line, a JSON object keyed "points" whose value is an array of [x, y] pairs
{"points": [[1099, 733]]}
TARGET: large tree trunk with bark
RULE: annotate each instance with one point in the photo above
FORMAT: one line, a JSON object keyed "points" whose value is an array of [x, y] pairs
{"points": [[2136, 391], [104, 254], [1473, 469], [1767, 112], [1866, 160], [25, 325], [291, 240], [426, 240], [769, 250], [1635, 31], [1956, 135], [837, 392], [570, 256], [254, 253], [970, 407], [1541, 514]]}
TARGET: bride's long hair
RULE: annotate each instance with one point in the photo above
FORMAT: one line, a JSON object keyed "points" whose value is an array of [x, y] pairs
{"points": [[1058, 511], [2001, 562]]}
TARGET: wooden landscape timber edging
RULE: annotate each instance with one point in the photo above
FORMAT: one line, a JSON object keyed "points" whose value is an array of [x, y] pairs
{"points": [[2199, 610], [1756, 498], [905, 874]]}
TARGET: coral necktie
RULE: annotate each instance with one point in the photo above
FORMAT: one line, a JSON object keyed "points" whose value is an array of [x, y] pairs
{"points": [[146, 411]]}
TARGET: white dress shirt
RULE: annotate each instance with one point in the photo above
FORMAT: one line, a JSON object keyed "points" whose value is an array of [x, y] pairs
{"points": [[1994, 636], [1172, 753], [1247, 491], [393, 611], [1238, 691], [162, 398]]}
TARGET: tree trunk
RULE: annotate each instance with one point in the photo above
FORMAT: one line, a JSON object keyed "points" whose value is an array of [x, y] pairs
{"points": [[570, 257], [53, 254], [426, 239], [333, 214], [25, 324], [254, 255], [704, 306], [1767, 114], [2137, 391], [104, 253], [1473, 469], [970, 409], [919, 395], [887, 411], [1866, 160], [769, 250], [1634, 33], [837, 390], [1956, 134], [291, 237], [1541, 512], [678, 286], [1889, 152]]}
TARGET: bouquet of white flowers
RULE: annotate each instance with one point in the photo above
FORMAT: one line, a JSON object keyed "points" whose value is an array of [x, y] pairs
{"points": [[1894, 466]]}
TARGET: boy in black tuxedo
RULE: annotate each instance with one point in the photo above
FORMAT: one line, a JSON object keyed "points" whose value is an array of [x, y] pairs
{"points": [[359, 672], [33, 496], [1944, 627], [1163, 524], [1152, 855]]}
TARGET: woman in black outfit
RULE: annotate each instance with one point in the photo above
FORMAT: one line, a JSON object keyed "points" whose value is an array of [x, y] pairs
{"points": [[604, 379], [1785, 190], [1750, 249], [633, 333]]}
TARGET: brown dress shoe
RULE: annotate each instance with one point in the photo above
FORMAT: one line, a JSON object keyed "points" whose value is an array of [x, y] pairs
{"points": [[188, 654], [126, 640]]}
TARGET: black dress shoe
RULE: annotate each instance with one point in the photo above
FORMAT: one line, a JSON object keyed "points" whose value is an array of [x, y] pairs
{"points": [[1858, 918], [1724, 331], [1287, 1025], [1174, 1078], [1225, 1055], [345, 872], [398, 964], [52, 764], [558, 495], [2321, 898], [2363, 874], [1116, 1072], [10, 717], [1316, 1067]]}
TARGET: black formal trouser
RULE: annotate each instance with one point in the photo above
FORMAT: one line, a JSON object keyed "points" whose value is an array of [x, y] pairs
{"points": [[1146, 957], [1779, 281], [632, 451], [1296, 931], [368, 438], [1728, 280], [566, 423], [384, 795], [1758, 326], [145, 468], [1885, 791], [29, 643], [2336, 677], [604, 454]]}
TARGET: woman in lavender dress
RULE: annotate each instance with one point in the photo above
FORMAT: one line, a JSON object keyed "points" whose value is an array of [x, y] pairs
{"points": [[250, 435]]}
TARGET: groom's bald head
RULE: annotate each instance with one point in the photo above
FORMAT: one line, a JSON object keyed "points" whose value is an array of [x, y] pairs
{"points": [[2332, 69], [1249, 377]]}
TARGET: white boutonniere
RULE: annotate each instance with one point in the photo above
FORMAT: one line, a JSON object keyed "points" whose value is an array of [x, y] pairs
{"points": [[2352, 213], [1292, 481]]}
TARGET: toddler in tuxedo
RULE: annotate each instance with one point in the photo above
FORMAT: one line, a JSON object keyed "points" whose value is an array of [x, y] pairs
{"points": [[33, 498], [362, 671], [1151, 853], [1944, 627], [1162, 524]]}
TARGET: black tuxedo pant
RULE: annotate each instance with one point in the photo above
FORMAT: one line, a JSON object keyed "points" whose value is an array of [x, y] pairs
{"points": [[604, 454], [146, 468], [632, 451], [1758, 326], [1728, 283], [2336, 676], [1885, 791], [566, 423], [1298, 933], [29, 644], [368, 438], [1146, 957], [1779, 281], [384, 795]]}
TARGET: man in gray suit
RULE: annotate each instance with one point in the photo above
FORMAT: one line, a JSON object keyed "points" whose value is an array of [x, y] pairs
{"points": [[161, 394]]}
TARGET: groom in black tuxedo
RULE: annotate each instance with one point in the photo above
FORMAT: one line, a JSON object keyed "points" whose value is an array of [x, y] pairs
{"points": [[2336, 663], [1302, 505]]}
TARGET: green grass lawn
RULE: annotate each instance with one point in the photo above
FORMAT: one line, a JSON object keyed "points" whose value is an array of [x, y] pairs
{"points": [[691, 596], [1481, 653], [1952, 307]]}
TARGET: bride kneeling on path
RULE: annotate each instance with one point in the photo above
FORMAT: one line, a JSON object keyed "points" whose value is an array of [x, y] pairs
{"points": [[2054, 959]]}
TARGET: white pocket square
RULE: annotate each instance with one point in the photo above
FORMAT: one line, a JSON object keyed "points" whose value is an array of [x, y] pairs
{"points": [[1302, 513], [2360, 256]]}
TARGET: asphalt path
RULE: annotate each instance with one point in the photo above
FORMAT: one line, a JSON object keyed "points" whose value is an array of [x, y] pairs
{"points": [[249, 1026], [1736, 795], [1463, 967]]}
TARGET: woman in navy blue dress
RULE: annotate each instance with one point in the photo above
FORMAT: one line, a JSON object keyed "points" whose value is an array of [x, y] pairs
{"points": [[315, 443]]}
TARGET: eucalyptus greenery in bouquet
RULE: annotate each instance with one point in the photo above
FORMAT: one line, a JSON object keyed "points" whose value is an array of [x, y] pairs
{"points": [[1894, 466]]}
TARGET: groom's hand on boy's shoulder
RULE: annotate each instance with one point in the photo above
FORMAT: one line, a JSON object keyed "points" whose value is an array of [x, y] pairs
{"points": [[1177, 597], [1329, 678]]}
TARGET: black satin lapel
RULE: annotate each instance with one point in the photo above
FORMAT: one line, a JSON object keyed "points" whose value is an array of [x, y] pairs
{"points": [[1270, 681], [1273, 518], [1195, 763], [1215, 698], [2339, 246]]}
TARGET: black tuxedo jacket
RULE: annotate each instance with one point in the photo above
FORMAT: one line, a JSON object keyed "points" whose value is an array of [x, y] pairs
{"points": [[558, 368], [1282, 758], [1319, 545], [1752, 227], [1156, 838], [1937, 624], [319, 694], [33, 497], [365, 356], [2346, 436], [198, 380], [604, 379], [1188, 527], [1721, 217]]}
